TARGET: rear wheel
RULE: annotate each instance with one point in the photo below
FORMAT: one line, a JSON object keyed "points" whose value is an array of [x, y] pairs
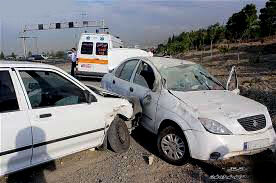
{"points": [[118, 136], [172, 146]]}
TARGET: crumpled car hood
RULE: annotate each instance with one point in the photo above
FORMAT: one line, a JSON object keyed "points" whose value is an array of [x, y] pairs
{"points": [[220, 102], [103, 92]]}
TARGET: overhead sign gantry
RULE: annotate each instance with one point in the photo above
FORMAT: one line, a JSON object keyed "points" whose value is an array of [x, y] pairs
{"points": [[57, 26]]}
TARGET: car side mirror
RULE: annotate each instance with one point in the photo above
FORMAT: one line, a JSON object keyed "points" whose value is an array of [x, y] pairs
{"points": [[89, 97]]}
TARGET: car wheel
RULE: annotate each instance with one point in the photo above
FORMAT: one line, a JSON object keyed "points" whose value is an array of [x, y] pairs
{"points": [[118, 136], [172, 146]]}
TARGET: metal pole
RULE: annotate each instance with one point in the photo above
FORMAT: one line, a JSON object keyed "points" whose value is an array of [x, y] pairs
{"points": [[24, 47], [34, 48], [103, 26], [24, 43], [36, 45]]}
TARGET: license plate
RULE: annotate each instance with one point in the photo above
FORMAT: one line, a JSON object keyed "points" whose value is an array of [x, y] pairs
{"points": [[256, 144], [85, 66]]}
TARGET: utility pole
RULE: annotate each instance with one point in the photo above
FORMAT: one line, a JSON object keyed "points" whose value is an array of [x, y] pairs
{"points": [[35, 44], [24, 45]]}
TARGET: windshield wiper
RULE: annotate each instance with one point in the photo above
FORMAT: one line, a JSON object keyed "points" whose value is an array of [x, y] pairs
{"points": [[210, 78], [197, 78]]}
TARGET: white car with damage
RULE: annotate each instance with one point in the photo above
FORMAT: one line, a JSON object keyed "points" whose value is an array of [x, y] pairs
{"points": [[46, 114], [192, 113]]}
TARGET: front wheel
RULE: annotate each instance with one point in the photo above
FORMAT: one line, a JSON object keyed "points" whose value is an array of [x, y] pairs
{"points": [[118, 136], [172, 146]]}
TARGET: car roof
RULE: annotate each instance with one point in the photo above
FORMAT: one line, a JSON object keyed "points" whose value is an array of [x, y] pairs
{"points": [[162, 62], [16, 64]]}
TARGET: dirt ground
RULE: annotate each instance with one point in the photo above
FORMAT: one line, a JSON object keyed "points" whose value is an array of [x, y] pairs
{"points": [[257, 81]]}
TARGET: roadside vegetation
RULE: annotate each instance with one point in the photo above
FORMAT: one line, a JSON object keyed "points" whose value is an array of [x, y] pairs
{"points": [[243, 26]]}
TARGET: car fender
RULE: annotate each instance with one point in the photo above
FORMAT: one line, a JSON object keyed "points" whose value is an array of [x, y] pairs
{"points": [[163, 115], [124, 109], [171, 108]]}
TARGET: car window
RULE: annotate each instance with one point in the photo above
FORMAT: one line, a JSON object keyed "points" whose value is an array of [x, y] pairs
{"points": [[48, 89], [128, 70], [119, 70], [101, 49], [144, 76], [8, 100], [87, 48], [140, 80]]}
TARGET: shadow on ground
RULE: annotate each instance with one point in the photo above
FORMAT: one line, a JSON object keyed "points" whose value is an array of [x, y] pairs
{"points": [[34, 174], [148, 141], [262, 167]]}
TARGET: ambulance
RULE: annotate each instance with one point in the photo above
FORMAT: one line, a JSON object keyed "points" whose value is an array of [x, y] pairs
{"points": [[98, 53]]}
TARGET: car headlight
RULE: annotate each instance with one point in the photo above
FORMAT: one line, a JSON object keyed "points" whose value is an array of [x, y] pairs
{"points": [[214, 127]]}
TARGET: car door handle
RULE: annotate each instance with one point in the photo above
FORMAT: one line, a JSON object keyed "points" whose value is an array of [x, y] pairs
{"points": [[131, 89], [113, 82], [45, 115]]}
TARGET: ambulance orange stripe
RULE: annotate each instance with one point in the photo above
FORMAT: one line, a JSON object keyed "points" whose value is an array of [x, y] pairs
{"points": [[92, 61]]}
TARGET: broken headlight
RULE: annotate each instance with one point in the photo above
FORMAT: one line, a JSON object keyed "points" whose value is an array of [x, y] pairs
{"points": [[214, 127]]}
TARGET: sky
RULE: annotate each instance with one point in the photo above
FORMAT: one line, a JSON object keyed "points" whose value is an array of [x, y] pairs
{"points": [[136, 22]]}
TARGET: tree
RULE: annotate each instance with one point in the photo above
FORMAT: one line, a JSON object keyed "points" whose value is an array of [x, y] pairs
{"points": [[2, 56], [169, 40], [235, 26], [252, 25], [173, 38], [243, 24], [268, 18], [29, 53], [161, 48], [13, 55], [52, 53], [212, 33], [60, 54]]}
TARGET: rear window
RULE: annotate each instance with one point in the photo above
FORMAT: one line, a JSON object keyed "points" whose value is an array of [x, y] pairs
{"points": [[101, 48], [87, 48]]}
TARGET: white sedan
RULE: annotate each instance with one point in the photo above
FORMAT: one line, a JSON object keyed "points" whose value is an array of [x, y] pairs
{"points": [[47, 114], [192, 113]]}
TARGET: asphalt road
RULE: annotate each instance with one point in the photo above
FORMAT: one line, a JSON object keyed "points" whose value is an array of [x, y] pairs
{"points": [[91, 81]]}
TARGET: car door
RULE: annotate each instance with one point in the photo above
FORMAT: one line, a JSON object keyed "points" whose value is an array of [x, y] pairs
{"points": [[143, 86], [121, 81], [62, 121], [16, 136]]}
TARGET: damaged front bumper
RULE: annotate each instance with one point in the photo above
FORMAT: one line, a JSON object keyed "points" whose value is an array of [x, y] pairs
{"points": [[207, 146], [131, 122]]}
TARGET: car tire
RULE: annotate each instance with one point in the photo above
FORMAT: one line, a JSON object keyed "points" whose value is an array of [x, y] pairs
{"points": [[118, 136], [172, 152]]}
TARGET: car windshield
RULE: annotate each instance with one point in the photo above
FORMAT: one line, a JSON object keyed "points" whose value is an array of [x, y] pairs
{"points": [[189, 77]]}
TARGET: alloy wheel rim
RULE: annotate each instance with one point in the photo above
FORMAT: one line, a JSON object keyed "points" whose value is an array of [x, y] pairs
{"points": [[173, 146]]}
